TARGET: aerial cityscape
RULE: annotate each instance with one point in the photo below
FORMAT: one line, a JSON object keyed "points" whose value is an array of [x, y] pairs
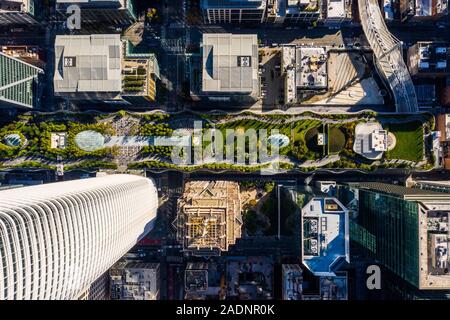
{"points": [[225, 150]]}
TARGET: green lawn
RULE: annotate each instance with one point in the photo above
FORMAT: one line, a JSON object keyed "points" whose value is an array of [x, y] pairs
{"points": [[294, 131], [336, 140], [409, 141]]}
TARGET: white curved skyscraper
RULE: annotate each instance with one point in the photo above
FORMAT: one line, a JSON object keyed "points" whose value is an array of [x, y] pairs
{"points": [[57, 238]]}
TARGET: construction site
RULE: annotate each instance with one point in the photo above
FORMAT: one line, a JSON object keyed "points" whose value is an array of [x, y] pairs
{"points": [[209, 217]]}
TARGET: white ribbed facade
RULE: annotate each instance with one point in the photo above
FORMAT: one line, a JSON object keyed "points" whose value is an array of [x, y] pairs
{"points": [[56, 239]]}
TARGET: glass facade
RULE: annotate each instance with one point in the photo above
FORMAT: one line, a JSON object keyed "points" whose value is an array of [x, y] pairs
{"points": [[387, 228], [395, 288]]}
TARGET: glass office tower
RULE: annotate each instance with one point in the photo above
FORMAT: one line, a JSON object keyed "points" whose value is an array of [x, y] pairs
{"points": [[406, 230]]}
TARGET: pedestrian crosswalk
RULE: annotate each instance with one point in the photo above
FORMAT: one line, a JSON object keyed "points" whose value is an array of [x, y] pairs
{"points": [[173, 45]]}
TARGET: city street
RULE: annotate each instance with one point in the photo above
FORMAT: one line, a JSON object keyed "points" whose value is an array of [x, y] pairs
{"points": [[172, 64]]}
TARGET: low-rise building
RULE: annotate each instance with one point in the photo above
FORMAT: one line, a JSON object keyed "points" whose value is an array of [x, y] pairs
{"points": [[304, 69], [430, 9], [292, 277], [429, 59], [18, 12], [100, 68], [325, 236], [93, 12], [209, 217], [28, 53], [233, 11], [88, 66], [204, 281], [131, 280], [250, 277], [442, 135], [229, 69], [294, 11], [334, 12]]}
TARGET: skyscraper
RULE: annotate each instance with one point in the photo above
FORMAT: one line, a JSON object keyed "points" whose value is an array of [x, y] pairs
{"points": [[56, 239], [20, 83], [404, 229]]}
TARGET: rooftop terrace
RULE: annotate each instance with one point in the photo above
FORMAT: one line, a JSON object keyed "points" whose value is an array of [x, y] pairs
{"points": [[325, 235]]}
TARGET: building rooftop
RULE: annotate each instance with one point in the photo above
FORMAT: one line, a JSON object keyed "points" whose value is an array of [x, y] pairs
{"points": [[405, 193], [292, 282], [88, 63], [433, 56], [204, 281], [30, 54], [135, 280], [295, 6], [334, 288], [281, 8], [116, 2], [250, 277], [230, 63], [325, 235], [336, 9], [19, 82], [289, 63], [312, 68], [429, 57], [196, 277], [303, 68], [249, 4], [370, 140], [434, 245], [15, 6], [209, 217], [443, 125], [428, 8]]}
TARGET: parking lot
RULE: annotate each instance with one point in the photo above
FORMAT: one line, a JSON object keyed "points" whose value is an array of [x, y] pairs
{"points": [[272, 83]]}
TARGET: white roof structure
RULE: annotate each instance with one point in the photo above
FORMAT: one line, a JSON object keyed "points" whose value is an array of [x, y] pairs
{"points": [[336, 9], [230, 63], [378, 140], [370, 140], [87, 63]]}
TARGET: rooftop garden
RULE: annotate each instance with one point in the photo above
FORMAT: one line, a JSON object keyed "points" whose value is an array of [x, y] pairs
{"points": [[307, 141], [409, 137]]}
